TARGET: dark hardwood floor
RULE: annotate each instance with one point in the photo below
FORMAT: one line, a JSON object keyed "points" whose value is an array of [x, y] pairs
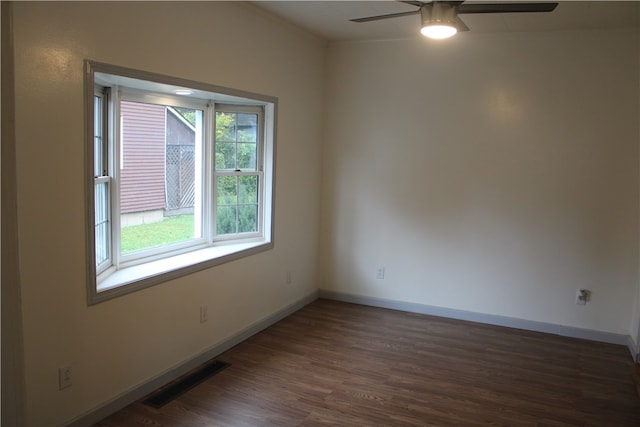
{"points": [[339, 364]]}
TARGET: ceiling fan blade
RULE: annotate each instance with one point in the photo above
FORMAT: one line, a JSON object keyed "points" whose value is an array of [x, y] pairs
{"points": [[461, 26], [379, 17], [412, 3], [506, 7]]}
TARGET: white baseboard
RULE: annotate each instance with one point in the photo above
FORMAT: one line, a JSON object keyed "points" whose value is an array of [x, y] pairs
{"points": [[491, 319], [135, 393]]}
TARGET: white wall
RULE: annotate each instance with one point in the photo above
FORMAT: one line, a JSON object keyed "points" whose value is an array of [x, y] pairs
{"points": [[493, 173], [116, 345]]}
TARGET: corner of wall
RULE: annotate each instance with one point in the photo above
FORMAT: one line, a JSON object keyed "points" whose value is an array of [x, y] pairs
{"points": [[13, 386], [635, 315]]}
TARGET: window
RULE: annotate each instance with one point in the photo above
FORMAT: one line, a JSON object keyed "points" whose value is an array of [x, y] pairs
{"points": [[181, 177], [238, 175], [101, 186]]}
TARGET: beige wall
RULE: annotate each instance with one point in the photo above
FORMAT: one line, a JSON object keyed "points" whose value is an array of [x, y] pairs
{"points": [[492, 173], [12, 355], [635, 321], [116, 345]]}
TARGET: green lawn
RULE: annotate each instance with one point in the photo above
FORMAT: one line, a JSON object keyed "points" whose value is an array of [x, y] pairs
{"points": [[170, 230]]}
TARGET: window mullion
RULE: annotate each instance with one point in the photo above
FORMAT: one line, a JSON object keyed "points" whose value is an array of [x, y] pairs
{"points": [[208, 214], [106, 102], [101, 182], [115, 141]]}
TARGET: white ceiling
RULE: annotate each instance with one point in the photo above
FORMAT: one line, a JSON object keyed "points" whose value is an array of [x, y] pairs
{"points": [[330, 19]]}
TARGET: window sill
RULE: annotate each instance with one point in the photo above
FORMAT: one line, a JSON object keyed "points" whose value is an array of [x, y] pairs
{"points": [[130, 279]]}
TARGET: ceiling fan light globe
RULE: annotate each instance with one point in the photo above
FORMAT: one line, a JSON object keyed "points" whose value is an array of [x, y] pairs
{"points": [[438, 31]]}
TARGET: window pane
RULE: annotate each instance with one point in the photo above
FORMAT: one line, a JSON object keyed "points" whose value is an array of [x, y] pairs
{"points": [[237, 201], [227, 190], [173, 229], [248, 189], [225, 156], [225, 127], [188, 114], [158, 199], [102, 227], [247, 127], [226, 219], [247, 215], [98, 140], [180, 159], [247, 156], [236, 141]]}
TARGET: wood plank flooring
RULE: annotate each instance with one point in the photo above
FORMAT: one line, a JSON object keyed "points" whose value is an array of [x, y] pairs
{"points": [[339, 364]]}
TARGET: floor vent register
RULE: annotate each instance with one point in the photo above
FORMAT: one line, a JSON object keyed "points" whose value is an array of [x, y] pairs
{"points": [[166, 394]]}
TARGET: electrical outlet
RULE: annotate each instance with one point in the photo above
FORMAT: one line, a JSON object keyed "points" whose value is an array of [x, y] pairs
{"points": [[204, 313], [380, 273], [582, 296], [288, 277], [64, 377]]}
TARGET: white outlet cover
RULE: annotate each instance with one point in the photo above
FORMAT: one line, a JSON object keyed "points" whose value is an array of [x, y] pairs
{"points": [[581, 299]]}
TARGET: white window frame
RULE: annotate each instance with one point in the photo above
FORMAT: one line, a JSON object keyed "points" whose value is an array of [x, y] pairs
{"points": [[102, 177], [259, 172], [127, 273]]}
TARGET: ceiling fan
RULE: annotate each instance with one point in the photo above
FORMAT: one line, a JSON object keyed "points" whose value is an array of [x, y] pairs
{"points": [[440, 18]]}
